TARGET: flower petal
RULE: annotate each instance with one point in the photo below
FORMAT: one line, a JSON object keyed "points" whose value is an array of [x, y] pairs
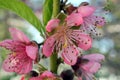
{"points": [[91, 30], [88, 76], [86, 10], [74, 19], [44, 75], [18, 35], [52, 24], [70, 55], [79, 78], [91, 67], [47, 74], [22, 78], [32, 51], [94, 57], [84, 41], [48, 46], [26, 67], [8, 64], [36, 78], [99, 21], [17, 62], [13, 45]]}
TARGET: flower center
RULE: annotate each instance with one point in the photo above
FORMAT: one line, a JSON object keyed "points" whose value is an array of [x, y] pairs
{"points": [[62, 34], [14, 62], [61, 29], [62, 37]]}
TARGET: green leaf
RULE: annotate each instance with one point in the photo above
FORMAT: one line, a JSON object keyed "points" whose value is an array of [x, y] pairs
{"points": [[47, 11], [23, 11]]}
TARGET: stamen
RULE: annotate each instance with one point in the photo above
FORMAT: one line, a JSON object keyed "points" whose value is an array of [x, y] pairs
{"points": [[14, 54], [66, 43]]}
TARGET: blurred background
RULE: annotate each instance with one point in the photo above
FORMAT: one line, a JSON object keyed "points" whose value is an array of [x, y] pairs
{"points": [[108, 44]]}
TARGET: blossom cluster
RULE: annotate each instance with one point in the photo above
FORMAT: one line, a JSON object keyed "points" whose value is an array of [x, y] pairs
{"points": [[66, 37]]}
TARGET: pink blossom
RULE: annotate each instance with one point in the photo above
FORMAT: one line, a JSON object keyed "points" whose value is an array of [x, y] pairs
{"points": [[80, 78], [65, 40], [23, 52], [74, 19], [22, 78], [88, 65], [47, 75], [91, 21]]}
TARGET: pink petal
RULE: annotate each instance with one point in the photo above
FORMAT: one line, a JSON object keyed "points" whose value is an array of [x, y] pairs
{"points": [[48, 46], [26, 67], [91, 67], [80, 78], [32, 51], [88, 76], [84, 41], [22, 78], [8, 64], [17, 62], [18, 35], [70, 55], [86, 10], [47, 74], [13, 45], [35, 78], [7, 44], [52, 24], [74, 19], [99, 21], [91, 30], [12, 63], [94, 57]]}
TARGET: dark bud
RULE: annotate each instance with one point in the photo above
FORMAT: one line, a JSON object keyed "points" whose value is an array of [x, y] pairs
{"points": [[80, 60], [33, 74], [67, 75], [76, 66], [70, 8], [43, 56], [37, 58], [59, 60], [78, 72], [84, 4]]}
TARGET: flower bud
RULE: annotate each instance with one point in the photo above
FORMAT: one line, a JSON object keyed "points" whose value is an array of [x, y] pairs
{"points": [[67, 75]]}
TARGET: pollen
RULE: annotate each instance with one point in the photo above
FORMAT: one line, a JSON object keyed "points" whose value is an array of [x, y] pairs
{"points": [[65, 44], [14, 54], [99, 26]]}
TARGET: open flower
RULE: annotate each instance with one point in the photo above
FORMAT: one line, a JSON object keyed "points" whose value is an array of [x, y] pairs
{"points": [[47, 75], [87, 65], [23, 52], [66, 40], [90, 19]]}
